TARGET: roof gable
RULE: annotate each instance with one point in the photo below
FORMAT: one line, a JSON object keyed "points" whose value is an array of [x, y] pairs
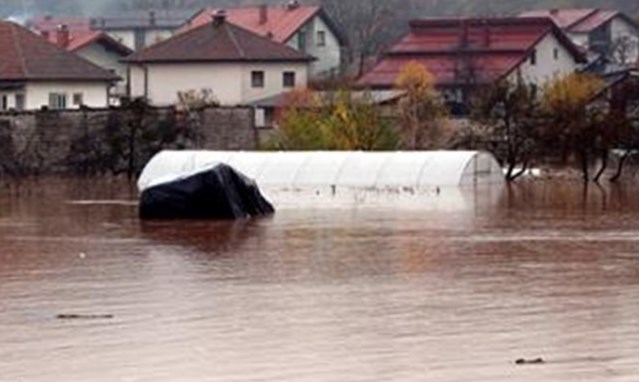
{"points": [[78, 39], [580, 20], [564, 18], [495, 47], [218, 41], [81, 40], [27, 56]]}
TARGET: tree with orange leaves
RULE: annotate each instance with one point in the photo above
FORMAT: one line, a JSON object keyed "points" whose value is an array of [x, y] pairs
{"points": [[342, 120], [421, 110], [574, 125]]}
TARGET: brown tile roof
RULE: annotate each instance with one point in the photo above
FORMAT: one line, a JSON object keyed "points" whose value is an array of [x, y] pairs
{"points": [[27, 56], [218, 42]]}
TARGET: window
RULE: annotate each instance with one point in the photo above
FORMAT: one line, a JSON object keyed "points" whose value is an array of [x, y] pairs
{"points": [[533, 57], [257, 79], [321, 38], [288, 79], [20, 101], [57, 101], [4, 102], [555, 54], [301, 41], [78, 99]]}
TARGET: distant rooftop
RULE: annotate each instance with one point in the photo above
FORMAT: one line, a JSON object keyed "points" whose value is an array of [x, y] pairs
{"points": [[454, 50], [219, 41], [126, 20], [279, 23], [576, 20]]}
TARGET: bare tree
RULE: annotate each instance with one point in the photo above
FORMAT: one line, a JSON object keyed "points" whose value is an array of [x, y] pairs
{"points": [[510, 114], [623, 50], [369, 24]]}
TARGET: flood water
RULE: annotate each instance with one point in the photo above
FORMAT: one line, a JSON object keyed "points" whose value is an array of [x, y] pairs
{"points": [[449, 292]]}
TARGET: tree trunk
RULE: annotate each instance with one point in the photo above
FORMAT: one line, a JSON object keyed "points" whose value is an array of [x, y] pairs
{"points": [[620, 165], [509, 173], [584, 165], [604, 165], [524, 168]]}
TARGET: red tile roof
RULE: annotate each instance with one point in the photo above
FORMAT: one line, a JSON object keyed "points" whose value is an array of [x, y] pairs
{"points": [[78, 39], [27, 56], [576, 20], [221, 41], [281, 23], [493, 48]]}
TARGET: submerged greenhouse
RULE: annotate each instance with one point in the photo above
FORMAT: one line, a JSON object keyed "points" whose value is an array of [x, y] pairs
{"points": [[361, 170]]}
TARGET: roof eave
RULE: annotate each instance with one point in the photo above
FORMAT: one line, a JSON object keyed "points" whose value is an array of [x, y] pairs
{"points": [[212, 61]]}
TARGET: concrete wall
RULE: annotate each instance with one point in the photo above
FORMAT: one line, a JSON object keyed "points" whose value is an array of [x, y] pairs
{"points": [[47, 141]]}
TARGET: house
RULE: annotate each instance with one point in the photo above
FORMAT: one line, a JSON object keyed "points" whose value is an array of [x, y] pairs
{"points": [[268, 110], [97, 47], [463, 54], [307, 29], [135, 30], [35, 73], [237, 65], [612, 34]]}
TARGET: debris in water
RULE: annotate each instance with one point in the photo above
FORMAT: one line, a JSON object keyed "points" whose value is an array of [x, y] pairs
{"points": [[536, 361], [84, 316]]}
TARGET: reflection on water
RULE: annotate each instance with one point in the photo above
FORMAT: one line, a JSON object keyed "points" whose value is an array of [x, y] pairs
{"points": [[443, 291]]}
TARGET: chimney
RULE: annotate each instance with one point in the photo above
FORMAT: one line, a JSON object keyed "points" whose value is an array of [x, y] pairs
{"points": [[62, 36], [218, 17], [292, 5], [263, 14]]}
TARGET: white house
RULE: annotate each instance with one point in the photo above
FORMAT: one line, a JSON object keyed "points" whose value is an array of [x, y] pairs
{"points": [[305, 28], [464, 54], [95, 46], [104, 51], [612, 34], [35, 73], [237, 65]]}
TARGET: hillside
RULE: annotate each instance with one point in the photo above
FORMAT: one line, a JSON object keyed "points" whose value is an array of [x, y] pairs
{"points": [[419, 7]]}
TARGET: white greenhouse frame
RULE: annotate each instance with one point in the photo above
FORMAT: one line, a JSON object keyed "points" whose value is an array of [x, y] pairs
{"points": [[354, 169]]}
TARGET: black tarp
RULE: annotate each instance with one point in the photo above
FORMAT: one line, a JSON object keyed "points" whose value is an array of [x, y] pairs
{"points": [[218, 193]]}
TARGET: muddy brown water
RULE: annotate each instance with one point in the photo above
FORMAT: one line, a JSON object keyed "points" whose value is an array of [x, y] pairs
{"points": [[355, 293]]}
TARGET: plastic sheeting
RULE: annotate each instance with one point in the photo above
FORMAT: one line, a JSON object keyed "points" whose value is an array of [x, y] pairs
{"points": [[371, 170], [219, 192]]}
